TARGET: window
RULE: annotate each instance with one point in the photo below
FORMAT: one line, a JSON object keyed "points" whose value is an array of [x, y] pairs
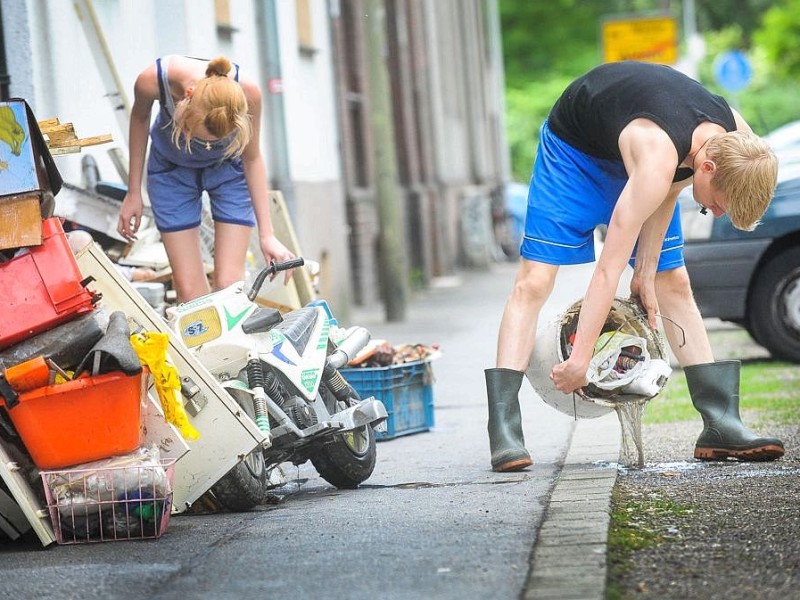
{"points": [[222, 13], [305, 30]]}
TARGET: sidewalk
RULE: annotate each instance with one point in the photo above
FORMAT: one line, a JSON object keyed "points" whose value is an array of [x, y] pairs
{"points": [[577, 459], [568, 547]]}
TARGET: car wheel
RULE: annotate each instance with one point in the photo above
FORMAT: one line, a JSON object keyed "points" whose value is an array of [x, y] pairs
{"points": [[774, 306], [748, 326]]}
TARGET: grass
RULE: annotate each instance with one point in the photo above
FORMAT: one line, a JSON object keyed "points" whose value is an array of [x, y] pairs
{"points": [[642, 519], [768, 392], [638, 522]]}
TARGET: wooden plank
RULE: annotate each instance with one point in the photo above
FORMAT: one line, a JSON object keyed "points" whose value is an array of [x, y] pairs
{"points": [[48, 123], [65, 150], [284, 231], [59, 130], [97, 139], [62, 139], [20, 222]]}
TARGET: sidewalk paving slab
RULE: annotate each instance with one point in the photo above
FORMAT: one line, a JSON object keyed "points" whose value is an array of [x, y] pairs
{"points": [[569, 558]]}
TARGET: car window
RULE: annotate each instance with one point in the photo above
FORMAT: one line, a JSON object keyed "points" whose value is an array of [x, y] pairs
{"points": [[784, 137]]}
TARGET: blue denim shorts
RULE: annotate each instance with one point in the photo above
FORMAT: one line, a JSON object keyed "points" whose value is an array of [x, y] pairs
{"points": [[570, 194], [176, 193]]}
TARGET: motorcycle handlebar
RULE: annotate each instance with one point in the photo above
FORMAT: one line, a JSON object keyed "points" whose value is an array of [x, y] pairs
{"points": [[271, 270]]}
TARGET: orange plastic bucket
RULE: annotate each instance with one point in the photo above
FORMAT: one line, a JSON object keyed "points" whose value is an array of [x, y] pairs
{"points": [[28, 375], [85, 419]]}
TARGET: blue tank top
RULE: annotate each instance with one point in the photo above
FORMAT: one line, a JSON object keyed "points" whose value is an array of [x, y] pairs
{"points": [[204, 153]]}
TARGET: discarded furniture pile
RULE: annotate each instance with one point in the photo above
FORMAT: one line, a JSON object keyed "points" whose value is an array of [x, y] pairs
{"points": [[109, 424], [87, 451]]}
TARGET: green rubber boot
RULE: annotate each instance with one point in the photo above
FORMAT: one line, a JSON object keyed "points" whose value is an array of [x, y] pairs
{"points": [[506, 440], [714, 388]]}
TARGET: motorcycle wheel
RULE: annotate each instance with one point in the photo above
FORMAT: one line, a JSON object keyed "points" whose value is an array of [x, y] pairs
{"points": [[244, 486], [349, 458]]}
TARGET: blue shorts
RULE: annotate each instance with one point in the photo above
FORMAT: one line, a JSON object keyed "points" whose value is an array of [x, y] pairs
{"points": [[176, 193], [570, 194]]}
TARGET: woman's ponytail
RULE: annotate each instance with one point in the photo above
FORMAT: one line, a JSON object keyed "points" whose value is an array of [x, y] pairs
{"points": [[218, 67], [219, 103]]}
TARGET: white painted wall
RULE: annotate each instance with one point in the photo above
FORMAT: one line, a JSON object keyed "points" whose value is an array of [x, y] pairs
{"points": [[66, 83], [309, 99]]}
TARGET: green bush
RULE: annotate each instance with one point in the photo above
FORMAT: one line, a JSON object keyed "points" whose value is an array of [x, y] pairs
{"points": [[526, 110]]}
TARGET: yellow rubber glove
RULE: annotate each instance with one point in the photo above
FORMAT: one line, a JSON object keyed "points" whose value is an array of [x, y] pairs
{"points": [[151, 347]]}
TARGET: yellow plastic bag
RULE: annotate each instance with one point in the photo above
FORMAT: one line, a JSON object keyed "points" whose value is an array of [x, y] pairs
{"points": [[151, 347]]}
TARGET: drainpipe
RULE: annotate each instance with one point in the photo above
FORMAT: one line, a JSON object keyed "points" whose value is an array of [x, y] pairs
{"points": [[5, 79], [270, 66]]}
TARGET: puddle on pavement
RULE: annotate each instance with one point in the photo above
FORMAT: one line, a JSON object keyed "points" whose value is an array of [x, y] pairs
{"points": [[667, 468], [745, 471], [670, 467], [416, 485]]}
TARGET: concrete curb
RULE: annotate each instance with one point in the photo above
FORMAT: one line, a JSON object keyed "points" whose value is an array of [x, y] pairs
{"points": [[569, 558]]}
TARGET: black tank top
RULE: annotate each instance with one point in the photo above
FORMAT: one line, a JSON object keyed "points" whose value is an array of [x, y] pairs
{"points": [[595, 108]]}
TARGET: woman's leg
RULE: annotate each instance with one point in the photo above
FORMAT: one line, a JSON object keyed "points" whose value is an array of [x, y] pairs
{"points": [[188, 272], [230, 252]]}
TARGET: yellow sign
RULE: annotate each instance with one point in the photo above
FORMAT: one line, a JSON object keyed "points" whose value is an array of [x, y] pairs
{"points": [[653, 39]]}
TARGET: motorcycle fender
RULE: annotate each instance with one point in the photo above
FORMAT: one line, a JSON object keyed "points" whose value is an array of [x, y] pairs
{"points": [[303, 371], [367, 412]]}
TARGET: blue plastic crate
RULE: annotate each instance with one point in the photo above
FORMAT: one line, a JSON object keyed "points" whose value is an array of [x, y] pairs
{"points": [[406, 391]]}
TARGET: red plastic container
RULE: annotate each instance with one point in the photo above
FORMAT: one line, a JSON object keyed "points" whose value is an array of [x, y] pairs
{"points": [[41, 288], [82, 420]]}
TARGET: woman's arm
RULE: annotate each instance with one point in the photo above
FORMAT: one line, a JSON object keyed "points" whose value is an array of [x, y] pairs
{"points": [[255, 173], [145, 93]]}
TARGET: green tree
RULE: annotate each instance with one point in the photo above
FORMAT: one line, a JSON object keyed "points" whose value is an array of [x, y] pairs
{"points": [[716, 15], [547, 44], [779, 37]]}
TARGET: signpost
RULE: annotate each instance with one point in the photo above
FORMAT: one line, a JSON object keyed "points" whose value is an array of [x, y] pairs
{"points": [[650, 39], [732, 70]]}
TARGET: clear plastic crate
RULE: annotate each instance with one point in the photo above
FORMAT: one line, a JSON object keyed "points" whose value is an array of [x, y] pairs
{"points": [[100, 504]]}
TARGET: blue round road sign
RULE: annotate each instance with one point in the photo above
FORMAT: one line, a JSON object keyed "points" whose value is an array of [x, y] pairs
{"points": [[732, 70]]}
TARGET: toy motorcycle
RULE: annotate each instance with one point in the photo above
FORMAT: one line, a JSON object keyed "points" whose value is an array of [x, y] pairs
{"points": [[283, 370]]}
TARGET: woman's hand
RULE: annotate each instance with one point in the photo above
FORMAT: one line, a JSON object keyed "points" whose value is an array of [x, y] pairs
{"points": [[130, 215], [273, 249], [569, 376]]}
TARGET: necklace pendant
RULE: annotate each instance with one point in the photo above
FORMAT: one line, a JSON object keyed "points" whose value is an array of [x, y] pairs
{"points": [[208, 145]]}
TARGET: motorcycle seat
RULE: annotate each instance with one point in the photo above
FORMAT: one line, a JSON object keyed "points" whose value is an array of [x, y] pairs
{"points": [[262, 319], [297, 326]]}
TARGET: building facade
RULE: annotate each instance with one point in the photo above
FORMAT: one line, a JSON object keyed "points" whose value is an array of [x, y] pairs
{"points": [[78, 61]]}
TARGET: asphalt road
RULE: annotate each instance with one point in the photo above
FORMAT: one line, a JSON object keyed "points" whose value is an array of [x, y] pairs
{"points": [[432, 522]]}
